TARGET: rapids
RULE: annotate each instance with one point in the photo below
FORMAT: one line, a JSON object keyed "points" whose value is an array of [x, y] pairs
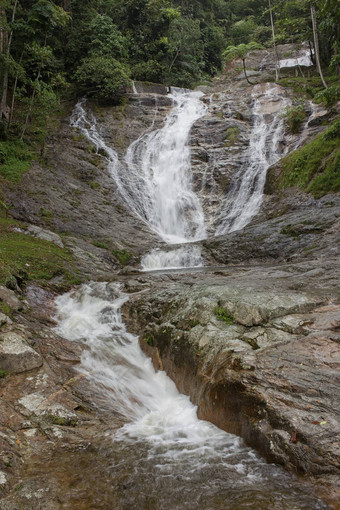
{"points": [[167, 457]]}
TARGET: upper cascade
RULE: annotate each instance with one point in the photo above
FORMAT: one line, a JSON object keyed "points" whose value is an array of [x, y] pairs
{"points": [[154, 178]]}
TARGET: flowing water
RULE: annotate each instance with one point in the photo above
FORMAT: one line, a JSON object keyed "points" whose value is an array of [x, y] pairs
{"points": [[244, 198], [155, 179], [186, 256], [164, 456]]}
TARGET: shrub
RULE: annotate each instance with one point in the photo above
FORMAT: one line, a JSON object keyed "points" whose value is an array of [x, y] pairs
{"points": [[294, 115], [329, 97]]}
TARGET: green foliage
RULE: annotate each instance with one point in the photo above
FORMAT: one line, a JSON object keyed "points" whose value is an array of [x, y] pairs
{"points": [[315, 167], [104, 77], [151, 71], [106, 40], [223, 315], [150, 339], [28, 258], [329, 97], [15, 159], [3, 374], [294, 116], [240, 51], [123, 256]]}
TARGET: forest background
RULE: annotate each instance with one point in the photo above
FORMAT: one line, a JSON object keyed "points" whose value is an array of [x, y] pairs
{"points": [[50, 51]]}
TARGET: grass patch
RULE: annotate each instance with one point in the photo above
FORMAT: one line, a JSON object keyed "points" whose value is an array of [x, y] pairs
{"points": [[223, 315], [28, 258], [15, 159], [315, 167], [3, 374], [308, 87], [123, 256]]}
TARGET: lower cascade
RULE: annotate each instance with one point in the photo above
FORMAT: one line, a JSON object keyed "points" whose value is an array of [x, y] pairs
{"points": [[184, 257], [162, 450]]}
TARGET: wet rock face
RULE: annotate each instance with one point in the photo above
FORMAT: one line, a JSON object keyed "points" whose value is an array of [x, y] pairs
{"points": [[297, 228], [258, 357], [51, 429]]}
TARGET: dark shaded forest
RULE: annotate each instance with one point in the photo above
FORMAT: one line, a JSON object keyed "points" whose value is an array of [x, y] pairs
{"points": [[62, 49]]}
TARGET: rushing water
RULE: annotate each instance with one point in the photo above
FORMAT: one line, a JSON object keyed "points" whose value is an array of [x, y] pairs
{"points": [[154, 178], [244, 198], [167, 457], [186, 256]]}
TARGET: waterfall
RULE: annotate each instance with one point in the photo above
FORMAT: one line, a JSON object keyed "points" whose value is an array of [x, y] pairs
{"points": [[162, 451], [187, 256], [154, 179], [159, 166], [244, 198]]}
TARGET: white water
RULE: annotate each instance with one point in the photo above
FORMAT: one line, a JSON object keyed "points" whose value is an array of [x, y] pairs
{"points": [[159, 163], [244, 198], [154, 178], [186, 256], [166, 457], [149, 401]]}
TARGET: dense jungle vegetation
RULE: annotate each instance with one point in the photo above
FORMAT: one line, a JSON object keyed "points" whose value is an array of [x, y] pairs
{"points": [[53, 50]]}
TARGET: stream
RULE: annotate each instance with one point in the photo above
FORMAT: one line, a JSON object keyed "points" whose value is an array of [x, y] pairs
{"points": [[163, 455]]}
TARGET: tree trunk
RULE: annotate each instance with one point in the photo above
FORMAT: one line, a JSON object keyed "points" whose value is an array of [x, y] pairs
{"points": [[6, 49], [316, 46], [14, 91], [30, 107], [245, 72], [277, 68]]}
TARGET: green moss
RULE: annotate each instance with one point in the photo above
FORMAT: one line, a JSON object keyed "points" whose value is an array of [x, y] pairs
{"points": [[290, 230], [3, 374], [231, 136], [91, 149], [45, 213], [223, 315], [66, 422], [15, 159], [94, 185], [100, 244], [28, 258], [315, 167], [123, 256], [5, 308]]}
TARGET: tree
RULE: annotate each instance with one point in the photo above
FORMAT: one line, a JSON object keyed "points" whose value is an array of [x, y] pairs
{"points": [[103, 77], [316, 45], [277, 67], [240, 52]]}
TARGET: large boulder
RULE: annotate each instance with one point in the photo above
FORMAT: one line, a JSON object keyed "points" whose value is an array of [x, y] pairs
{"points": [[16, 355]]}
